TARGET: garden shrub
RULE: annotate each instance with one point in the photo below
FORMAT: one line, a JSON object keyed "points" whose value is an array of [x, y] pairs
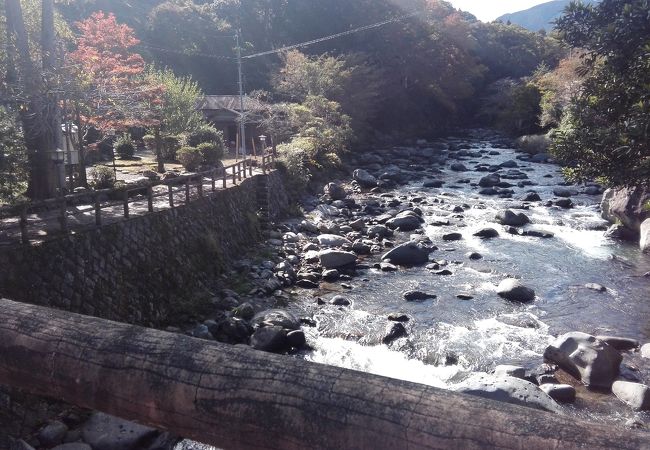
{"points": [[102, 177], [124, 147], [205, 133], [171, 145], [149, 141], [190, 157], [211, 152]]}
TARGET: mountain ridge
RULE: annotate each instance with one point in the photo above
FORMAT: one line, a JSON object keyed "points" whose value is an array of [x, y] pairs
{"points": [[540, 16]]}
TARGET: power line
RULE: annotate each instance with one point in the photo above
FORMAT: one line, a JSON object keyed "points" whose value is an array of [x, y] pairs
{"points": [[332, 36]]}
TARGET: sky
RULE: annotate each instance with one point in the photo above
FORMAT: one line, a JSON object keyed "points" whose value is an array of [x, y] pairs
{"points": [[488, 10]]}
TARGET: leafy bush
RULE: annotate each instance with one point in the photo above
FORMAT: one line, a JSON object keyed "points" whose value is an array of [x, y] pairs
{"points": [[124, 147], [534, 143], [13, 159], [102, 177], [190, 157], [149, 141], [211, 153], [106, 145], [205, 133], [171, 145]]}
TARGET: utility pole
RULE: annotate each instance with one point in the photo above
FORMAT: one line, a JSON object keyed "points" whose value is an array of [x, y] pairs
{"points": [[242, 125]]}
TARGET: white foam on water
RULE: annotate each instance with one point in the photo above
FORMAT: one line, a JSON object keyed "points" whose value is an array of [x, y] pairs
{"points": [[379, 360]]}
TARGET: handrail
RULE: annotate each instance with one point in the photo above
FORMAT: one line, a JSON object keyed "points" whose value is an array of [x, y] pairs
{"points": [[236, 397], [97, 198]]}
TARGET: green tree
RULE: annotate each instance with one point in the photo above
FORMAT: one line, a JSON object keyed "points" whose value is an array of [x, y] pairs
{"points": [[605, 130], [13, 159]]}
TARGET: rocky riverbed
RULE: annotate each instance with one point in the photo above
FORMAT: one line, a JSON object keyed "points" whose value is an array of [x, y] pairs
{"points": [[457, 263]]}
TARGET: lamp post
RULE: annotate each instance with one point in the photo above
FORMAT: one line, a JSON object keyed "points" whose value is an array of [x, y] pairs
{"points": [[263, 141], [57, 157]]}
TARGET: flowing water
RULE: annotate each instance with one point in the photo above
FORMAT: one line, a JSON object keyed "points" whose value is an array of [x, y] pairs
{"points": [[448, 337]]}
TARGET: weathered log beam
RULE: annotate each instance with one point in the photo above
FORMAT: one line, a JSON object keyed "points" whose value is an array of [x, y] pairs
{"points": [[235, 397]]}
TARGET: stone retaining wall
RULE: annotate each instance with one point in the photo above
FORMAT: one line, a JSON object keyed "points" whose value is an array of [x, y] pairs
{"points": [[134, 270]]}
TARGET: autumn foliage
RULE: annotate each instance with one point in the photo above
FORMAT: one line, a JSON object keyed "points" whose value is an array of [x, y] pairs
{"points": [[112, 76]]}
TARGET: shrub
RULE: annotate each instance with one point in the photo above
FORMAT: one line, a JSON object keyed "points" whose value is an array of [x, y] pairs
{"points": [[149, 141], [190, 157], [211, 153], [102, 177], [171, 145], [205, 133], [13, 159], [106, 145], [124, 147], [534, 143]]}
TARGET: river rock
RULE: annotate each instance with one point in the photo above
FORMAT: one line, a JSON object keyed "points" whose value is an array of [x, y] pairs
{"points": [[231, 331], [487, 233], [52, 433], [505, 370], [621, 232], [332, 240], [619, 343], [364, 178], [380, 231], [413, 296], [270, 339], [452, 237], [405, 221], [296, 339], [433, 184], [562, 393], [334, 191], [333, 259], [537, 234], [474, 256], [644, 241], [358, 225], [645, 351], [508, 389], [104, 432], [564, 192], [532, 197], [565, 203], [394, 331], [509, 164], [339, 300], [635, 395], [276, 317], [458, 167], [489, 180], [398, 317], [586, 358], [513, 290], [408, 254], [626, 206], [508, 217], [309, 227]]}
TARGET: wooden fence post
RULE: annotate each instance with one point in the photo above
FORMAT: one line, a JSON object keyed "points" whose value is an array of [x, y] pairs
{"points": [[150, 198], [63, 216], [170, 194], [234, 173], [244, 163], [187, 190], [199, 186], [213, 175], [98, 211], [225, 178], [126, 204], [24, 236]]}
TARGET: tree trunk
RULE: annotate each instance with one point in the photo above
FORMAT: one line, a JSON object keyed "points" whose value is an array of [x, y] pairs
{"points": [[236, 397], [159, 156], [40, 167], [83, 179]]}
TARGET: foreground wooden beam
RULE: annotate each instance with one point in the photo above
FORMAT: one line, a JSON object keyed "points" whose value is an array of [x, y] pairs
{"points": [[235, 397]]}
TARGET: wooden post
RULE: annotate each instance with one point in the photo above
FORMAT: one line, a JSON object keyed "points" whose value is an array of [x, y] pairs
{"points": [[126, 204], [213, 175], [239, 170], [250, 168], [98, 211], [236, 397], [63, 215], [187, 190], [150, 198], [264, 164], [225, 178], [24, 236], [234, 173], [199, 186], [244, 163], [170, 193]]}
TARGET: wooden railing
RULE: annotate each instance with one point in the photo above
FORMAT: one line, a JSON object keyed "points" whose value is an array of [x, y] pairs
{"points": [[235, 397], [17, 222]]}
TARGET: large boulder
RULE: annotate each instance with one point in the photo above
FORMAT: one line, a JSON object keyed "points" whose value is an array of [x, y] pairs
{"points": [[334, 191], [490, 180], [513, 290], [408, 254], [270, 339], [509, 390], [332, 240], [510, 218], [405, 221], [364, 178], [276, 317], [644, 241], [333, 259], [635, 395], [627, 206], [587, 358]]}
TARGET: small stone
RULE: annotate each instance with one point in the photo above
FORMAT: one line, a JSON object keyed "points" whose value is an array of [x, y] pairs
{"points": [[464, 297], [244, 311], [339, 300], [562, 393], [452, 237], [596, 287], [513, 290], [330, 275], [443, 272], [296, 339], [510, 371], [53, 433], [397, 317], [474, 256], [394, 331], [413, 296], [388, 267], [487, 233]]}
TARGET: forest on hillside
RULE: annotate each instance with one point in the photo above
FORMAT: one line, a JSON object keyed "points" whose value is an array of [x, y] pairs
{"points": [[421, 69]]}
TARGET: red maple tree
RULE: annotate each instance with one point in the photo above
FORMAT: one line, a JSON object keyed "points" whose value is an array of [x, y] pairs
{"points": [[111, 76]]}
